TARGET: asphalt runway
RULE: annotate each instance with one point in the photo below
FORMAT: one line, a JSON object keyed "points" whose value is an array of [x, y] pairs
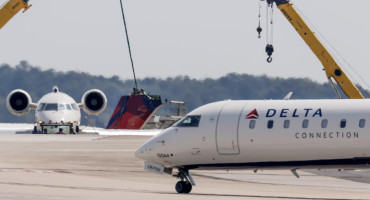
{"points": [[53, 167]]}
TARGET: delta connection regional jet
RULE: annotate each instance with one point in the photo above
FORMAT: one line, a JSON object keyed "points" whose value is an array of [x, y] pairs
{"points": [[269, 134], [56, 112]]}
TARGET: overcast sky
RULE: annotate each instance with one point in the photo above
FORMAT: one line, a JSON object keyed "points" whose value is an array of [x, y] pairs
{"points": [[199, 38]]}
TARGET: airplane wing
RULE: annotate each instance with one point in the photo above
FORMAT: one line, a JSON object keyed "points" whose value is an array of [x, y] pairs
{"points": [[11, 128], [115, 132], [361, 176]]}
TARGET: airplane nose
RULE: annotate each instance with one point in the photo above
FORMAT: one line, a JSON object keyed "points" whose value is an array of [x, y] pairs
{"points": [[144, 151], [148, 151], [139, 153]]}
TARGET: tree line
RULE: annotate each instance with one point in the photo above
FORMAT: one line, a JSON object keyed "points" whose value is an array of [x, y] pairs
{"points": [[195, 92]]}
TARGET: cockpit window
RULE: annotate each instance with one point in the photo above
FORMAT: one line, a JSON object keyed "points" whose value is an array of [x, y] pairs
{"points": [[189, 121], [68, 107], [51, 107], [41, 106], [62, 107], [74, 106]]}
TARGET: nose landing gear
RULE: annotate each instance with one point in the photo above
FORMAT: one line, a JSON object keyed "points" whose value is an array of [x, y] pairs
{"points": [[183, 187], [186, 183]]}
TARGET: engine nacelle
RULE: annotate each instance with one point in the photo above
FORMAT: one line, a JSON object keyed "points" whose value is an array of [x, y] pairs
{"points": [[94, 102], [19, 102]]}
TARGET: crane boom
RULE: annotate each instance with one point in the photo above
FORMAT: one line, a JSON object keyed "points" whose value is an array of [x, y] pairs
{"points": [[10, 9], [332, 69]]}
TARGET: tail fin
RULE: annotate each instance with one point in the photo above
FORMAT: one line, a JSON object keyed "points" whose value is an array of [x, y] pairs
{"points": [[133, 111]]}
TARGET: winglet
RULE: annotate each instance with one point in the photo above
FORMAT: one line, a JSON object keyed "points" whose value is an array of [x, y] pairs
{"points": [[287, 97]]}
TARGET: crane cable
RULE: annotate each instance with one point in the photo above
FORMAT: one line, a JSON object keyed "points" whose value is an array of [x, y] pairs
{"points": [[270, 30], [259, 29], [128, 44]]}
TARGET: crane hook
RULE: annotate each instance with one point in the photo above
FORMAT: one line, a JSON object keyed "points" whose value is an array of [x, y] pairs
{"points": [[269, 59], [259, 30], [269, 51]]}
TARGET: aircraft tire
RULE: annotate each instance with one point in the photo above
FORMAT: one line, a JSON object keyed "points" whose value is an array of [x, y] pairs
{"points": [[183, 187], [188, 187], [179, 187]]}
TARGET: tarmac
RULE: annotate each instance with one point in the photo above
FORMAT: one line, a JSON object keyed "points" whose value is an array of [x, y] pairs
{"points": [[60, 167]]}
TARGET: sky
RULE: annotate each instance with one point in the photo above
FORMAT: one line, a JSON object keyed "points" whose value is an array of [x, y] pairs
{"points": [[198, 38]]}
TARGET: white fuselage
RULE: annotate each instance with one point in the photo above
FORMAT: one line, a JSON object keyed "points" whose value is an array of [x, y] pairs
{"points": [[57, 112], [57, 107], [266, 133]]}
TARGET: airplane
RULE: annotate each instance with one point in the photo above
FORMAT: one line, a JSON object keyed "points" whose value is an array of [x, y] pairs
{"points": [[268, 134], [56, 112], [262, 134]]}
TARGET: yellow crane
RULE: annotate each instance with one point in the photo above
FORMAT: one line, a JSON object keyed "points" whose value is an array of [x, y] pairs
{"points": [[332, 69], [10, 9]]}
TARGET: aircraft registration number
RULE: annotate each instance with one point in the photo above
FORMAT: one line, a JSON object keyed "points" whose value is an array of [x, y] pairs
{"points": [[153, 167]]}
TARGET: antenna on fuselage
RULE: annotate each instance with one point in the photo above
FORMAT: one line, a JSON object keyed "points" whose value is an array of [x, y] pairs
{"points": [[55, 89]]}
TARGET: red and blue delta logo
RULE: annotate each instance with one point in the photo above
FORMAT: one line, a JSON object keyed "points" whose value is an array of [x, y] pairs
{"points": [[287, 112], [252, 115]]}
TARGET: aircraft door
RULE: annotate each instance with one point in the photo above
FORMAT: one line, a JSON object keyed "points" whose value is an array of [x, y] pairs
{"points": [[227, 128]]}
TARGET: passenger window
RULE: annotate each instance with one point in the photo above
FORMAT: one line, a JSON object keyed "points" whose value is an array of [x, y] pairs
{"points": [[343, 123], [41, 106], [286, 123], [362, 123], [74, 106], [62, 107], [324, 123], [189, 121], [305, 123], [252, 124], [270, 124], [51, 107], [68, 107]]}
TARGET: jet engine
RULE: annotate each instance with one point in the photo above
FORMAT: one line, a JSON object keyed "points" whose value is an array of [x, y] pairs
{"points": [[94, 102], [19, 102]]}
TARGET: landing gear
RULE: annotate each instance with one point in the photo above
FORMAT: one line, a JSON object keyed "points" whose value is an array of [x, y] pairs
{"points": [[34, 130], [186, 184]]}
